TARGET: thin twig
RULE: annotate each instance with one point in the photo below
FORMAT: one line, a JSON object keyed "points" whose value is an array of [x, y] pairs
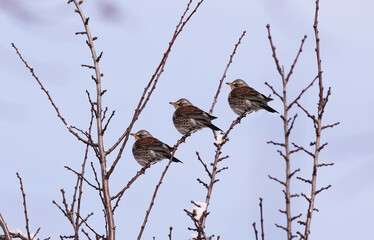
{"points": [[24, 206], [36, 233], [204, 165], [262, 221], [80, 180], [98, 236], [171, 229], [274, 52], [302, 92], [175, 147], [224, 73], [154, 79], [287, 127], [296, 58], [255, 230], [51, 101], [80, 176], [5, 228], [120, 193], [102, 153], [18, 235]]}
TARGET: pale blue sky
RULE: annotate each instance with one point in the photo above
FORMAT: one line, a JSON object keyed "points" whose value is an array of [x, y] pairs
{"points": [[35, 143]]}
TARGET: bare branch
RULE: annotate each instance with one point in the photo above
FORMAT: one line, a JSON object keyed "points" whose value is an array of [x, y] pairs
{"points": [[81, 176], [255, 230], [296, 58], [85, 233], [306, 197], [120, 194], [281, 227], [18, 235], [50, 99], [293, 173], [322, 189], [171, 229], [302, 148], [204, 165], [203, 183], [175, 147], [296, 217], [110, 118], [292, 123], [322, 146], [301, 93], [88, 66], [98, 236], [5, 228], [262, 221], [277, 180], [61, 209], [148, 90], [274, 92], [295, 195], [224, 73], [276, 143], [274, 53], [222, 169], [304, 180], [308, 114], [24, 206], [330, 125], [325, 164]]}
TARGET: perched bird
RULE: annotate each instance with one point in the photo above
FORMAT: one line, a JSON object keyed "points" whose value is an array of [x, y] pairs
{"points": [[149, 150], [244, 99], [188, 118]]}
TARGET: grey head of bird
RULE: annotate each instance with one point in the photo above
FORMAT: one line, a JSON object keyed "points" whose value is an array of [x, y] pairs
{"points": [[180, 103], [237, 83], [141, 134]]}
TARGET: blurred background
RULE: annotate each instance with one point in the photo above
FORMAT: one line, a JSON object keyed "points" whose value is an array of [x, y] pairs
{"points": [[134, 35]]}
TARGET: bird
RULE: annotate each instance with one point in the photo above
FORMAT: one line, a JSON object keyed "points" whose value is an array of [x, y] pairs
{"points": [[244, 99], [149, 150], [187, 118]]}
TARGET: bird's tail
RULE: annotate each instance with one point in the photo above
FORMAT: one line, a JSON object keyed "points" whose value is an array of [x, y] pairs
{"points": [[269, 109], [176, 160], [215, 128]]}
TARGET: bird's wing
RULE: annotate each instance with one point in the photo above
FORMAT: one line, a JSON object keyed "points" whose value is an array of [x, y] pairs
{"points": [[248, 93], [151, 143], [193, 112]]}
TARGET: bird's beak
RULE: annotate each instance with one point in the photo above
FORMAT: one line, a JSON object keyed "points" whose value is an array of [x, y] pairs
{"points": [[174, 104], [133, 134], [230, 84]]}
